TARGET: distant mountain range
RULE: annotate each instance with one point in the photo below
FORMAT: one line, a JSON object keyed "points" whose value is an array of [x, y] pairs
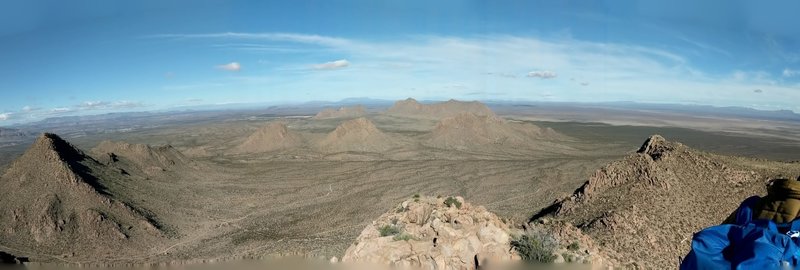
{"points": [[91, 124]]}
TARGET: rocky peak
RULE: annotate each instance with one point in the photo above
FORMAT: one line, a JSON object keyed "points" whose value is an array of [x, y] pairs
{"points": [[357, 125], [656, 146], [51, 146]]}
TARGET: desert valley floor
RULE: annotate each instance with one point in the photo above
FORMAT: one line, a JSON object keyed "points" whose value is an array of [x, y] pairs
{"points": [[260, 185]]}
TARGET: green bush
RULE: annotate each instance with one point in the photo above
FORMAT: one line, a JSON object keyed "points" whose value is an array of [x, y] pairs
{"points": [[387, 230], [403, 237], [452, 201], [535, 246]]}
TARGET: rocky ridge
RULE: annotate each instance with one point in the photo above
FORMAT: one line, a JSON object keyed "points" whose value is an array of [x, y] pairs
{"points": [[468, 130], [343, 112], [644, 209], [54, 201], [150, 159], [413, 109]]}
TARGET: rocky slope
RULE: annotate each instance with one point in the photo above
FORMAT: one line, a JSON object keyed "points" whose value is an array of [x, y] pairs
{"points": [[149, 159], [427, 233], [644, 209], [343, 112], [468, 130], [413, 109], [55, 200], [272, 137], [357, 135]]}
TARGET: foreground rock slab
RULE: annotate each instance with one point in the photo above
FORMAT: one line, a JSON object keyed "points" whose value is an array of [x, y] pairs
{"points": [[434, 233]]}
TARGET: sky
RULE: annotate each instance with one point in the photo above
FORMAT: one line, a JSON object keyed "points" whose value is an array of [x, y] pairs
{"points": [[61, 58]]}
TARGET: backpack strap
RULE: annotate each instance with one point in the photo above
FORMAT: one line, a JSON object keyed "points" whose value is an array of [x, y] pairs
{"points": [[744, 214]]}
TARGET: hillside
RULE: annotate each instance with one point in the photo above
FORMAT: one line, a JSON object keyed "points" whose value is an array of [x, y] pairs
{"points": [[469, 131], [646, 207], [357, 135], [343, 112], [56, 200], [274, 136], [413, 109], [150, 159]]}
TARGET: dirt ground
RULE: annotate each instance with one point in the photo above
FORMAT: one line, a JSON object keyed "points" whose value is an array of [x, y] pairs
{"points": [[302, 202]]}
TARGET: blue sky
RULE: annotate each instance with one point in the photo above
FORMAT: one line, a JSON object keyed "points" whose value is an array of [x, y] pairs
{"points": [[95, 56]]}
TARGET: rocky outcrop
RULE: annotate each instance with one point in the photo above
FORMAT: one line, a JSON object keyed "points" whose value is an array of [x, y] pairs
{"points": [[434, 233], [413, 109], [343, 112]]}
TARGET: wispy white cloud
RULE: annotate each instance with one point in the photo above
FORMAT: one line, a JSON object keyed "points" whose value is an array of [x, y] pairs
{"points": [[791, 72], [423, 66], [542, 74], [93, 105], [279, 37], [29, 108], [126, 104], [108, 105], [232, 66], [5, 116], [61, 110], [342, 63]]}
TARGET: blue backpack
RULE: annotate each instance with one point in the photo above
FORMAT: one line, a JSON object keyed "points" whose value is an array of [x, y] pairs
{"points": [[748, 244]]}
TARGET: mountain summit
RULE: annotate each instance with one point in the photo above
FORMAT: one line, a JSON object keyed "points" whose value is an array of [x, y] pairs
{"points": [[357, 135], [274, 136], [55, 200]]}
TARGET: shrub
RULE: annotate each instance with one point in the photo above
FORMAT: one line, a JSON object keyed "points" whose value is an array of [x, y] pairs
{"points": [[568, 257], [452, 201], [387, 230], [403, 237], [574, 246], [535, 246]]}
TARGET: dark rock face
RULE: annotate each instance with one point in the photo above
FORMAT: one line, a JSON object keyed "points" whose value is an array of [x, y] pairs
{"points": [[6, 258]]}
